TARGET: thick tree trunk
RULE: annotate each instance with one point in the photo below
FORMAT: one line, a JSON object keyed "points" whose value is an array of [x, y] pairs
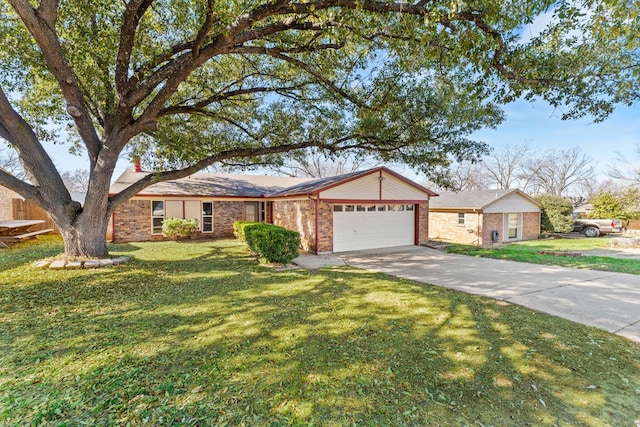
{"points": [[84, 228], [86, 238]]}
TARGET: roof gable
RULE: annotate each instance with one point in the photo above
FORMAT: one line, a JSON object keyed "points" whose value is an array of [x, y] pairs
{"points": [[251, 186], [325, 184], [476, 199]]}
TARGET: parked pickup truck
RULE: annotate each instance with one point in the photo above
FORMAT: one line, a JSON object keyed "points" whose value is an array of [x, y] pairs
{"points": [[596, 227]]}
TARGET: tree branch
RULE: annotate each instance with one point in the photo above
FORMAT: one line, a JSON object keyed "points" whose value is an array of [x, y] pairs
{"points": [[153, 178], [277, 53], [35, 160], [44, 34], [199, 106], [27, 191], [204, 30], [48, 10], [131, 18]]}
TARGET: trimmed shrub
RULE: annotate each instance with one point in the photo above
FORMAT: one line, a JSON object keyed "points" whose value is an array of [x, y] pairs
{"points": [[269, 242], [238, 229], [556, 214], [178, 228]]}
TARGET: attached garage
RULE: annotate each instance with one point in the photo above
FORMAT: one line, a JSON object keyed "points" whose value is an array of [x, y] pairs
{"points": [[372, 226], [371, 209]]}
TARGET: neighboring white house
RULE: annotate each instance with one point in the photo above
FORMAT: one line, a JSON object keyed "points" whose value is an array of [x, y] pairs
{"points": [[483, 217]]}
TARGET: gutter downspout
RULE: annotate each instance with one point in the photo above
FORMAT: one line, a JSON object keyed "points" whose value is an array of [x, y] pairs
{"points": [[316, 222], [113, 226], [477, 225]]}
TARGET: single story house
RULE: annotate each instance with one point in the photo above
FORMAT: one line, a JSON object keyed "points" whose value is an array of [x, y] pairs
{"points": [[484, 217], [583, 211], [362, 210]]}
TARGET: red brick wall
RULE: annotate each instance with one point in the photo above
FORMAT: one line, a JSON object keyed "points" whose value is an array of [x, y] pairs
{"points": [[268, 215], [133, 220], [325, 227], [530, 225], [225, 213], [491, 222], [444, 226], [423, 222], [298, 215]]}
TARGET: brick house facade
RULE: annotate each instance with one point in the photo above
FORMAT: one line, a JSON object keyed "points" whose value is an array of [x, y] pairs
{"points": [[484, 217], [304, 205], [297, 215]]}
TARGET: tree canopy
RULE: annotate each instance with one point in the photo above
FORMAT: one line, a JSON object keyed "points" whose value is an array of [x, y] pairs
{"points": [[186, 84]]}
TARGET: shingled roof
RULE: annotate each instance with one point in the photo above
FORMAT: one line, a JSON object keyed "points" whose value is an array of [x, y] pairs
{"points": [[209, 184], [475, 199], [232, 185], [321, 184]]}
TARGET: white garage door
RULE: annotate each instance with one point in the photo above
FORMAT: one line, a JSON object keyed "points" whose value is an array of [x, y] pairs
{"points": [[358, 227]]}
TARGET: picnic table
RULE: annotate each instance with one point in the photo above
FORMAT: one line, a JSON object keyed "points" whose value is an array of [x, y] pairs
{"points": [[19, 229]]}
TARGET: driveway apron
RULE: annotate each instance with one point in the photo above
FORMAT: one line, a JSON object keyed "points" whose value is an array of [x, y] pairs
{"points": [[606, 300]]}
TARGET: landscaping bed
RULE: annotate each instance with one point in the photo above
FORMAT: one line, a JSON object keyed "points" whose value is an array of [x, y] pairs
{"points": [[198, 334]]}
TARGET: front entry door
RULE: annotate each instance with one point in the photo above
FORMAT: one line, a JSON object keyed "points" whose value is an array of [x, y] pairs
{"points": [[251, 212]]}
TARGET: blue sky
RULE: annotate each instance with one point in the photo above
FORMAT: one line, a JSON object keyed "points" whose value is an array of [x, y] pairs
{"points": [[539, 125]]}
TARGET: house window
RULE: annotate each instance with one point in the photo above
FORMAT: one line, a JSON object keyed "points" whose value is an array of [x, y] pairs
{"points": [[512, 225], [371, 208], [349, 208], [360, 208], [382, 208], [337, 208], [263, 212], [207, 217], [410, 207], [461, 218], [157, 216]]}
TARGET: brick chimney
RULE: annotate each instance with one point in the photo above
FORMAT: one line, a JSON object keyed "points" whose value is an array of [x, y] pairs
{"points": [[137, 166]]}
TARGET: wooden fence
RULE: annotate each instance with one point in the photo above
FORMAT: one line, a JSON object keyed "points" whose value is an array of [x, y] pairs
{"points": [[24, 209]]}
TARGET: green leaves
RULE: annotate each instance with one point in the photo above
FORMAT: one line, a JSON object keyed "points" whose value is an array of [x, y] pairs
{"points": [[556, 214], [621, 204], [187, 84]]}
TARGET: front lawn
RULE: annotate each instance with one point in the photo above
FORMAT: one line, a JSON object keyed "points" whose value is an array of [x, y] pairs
{"points": [[200, 334], [527, 251]]}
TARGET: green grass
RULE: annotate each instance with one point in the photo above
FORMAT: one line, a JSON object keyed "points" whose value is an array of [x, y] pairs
{"points": [[528, 252], [199, 334]]}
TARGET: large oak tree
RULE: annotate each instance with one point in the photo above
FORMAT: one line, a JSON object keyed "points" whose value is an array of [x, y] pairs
{"points": [[189, 83]]}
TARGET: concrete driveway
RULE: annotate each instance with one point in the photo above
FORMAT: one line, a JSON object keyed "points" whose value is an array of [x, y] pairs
{"points": [[602, 299]]}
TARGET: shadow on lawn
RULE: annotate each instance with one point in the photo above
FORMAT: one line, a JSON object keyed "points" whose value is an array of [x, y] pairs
{"points": [[190, 344]]}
